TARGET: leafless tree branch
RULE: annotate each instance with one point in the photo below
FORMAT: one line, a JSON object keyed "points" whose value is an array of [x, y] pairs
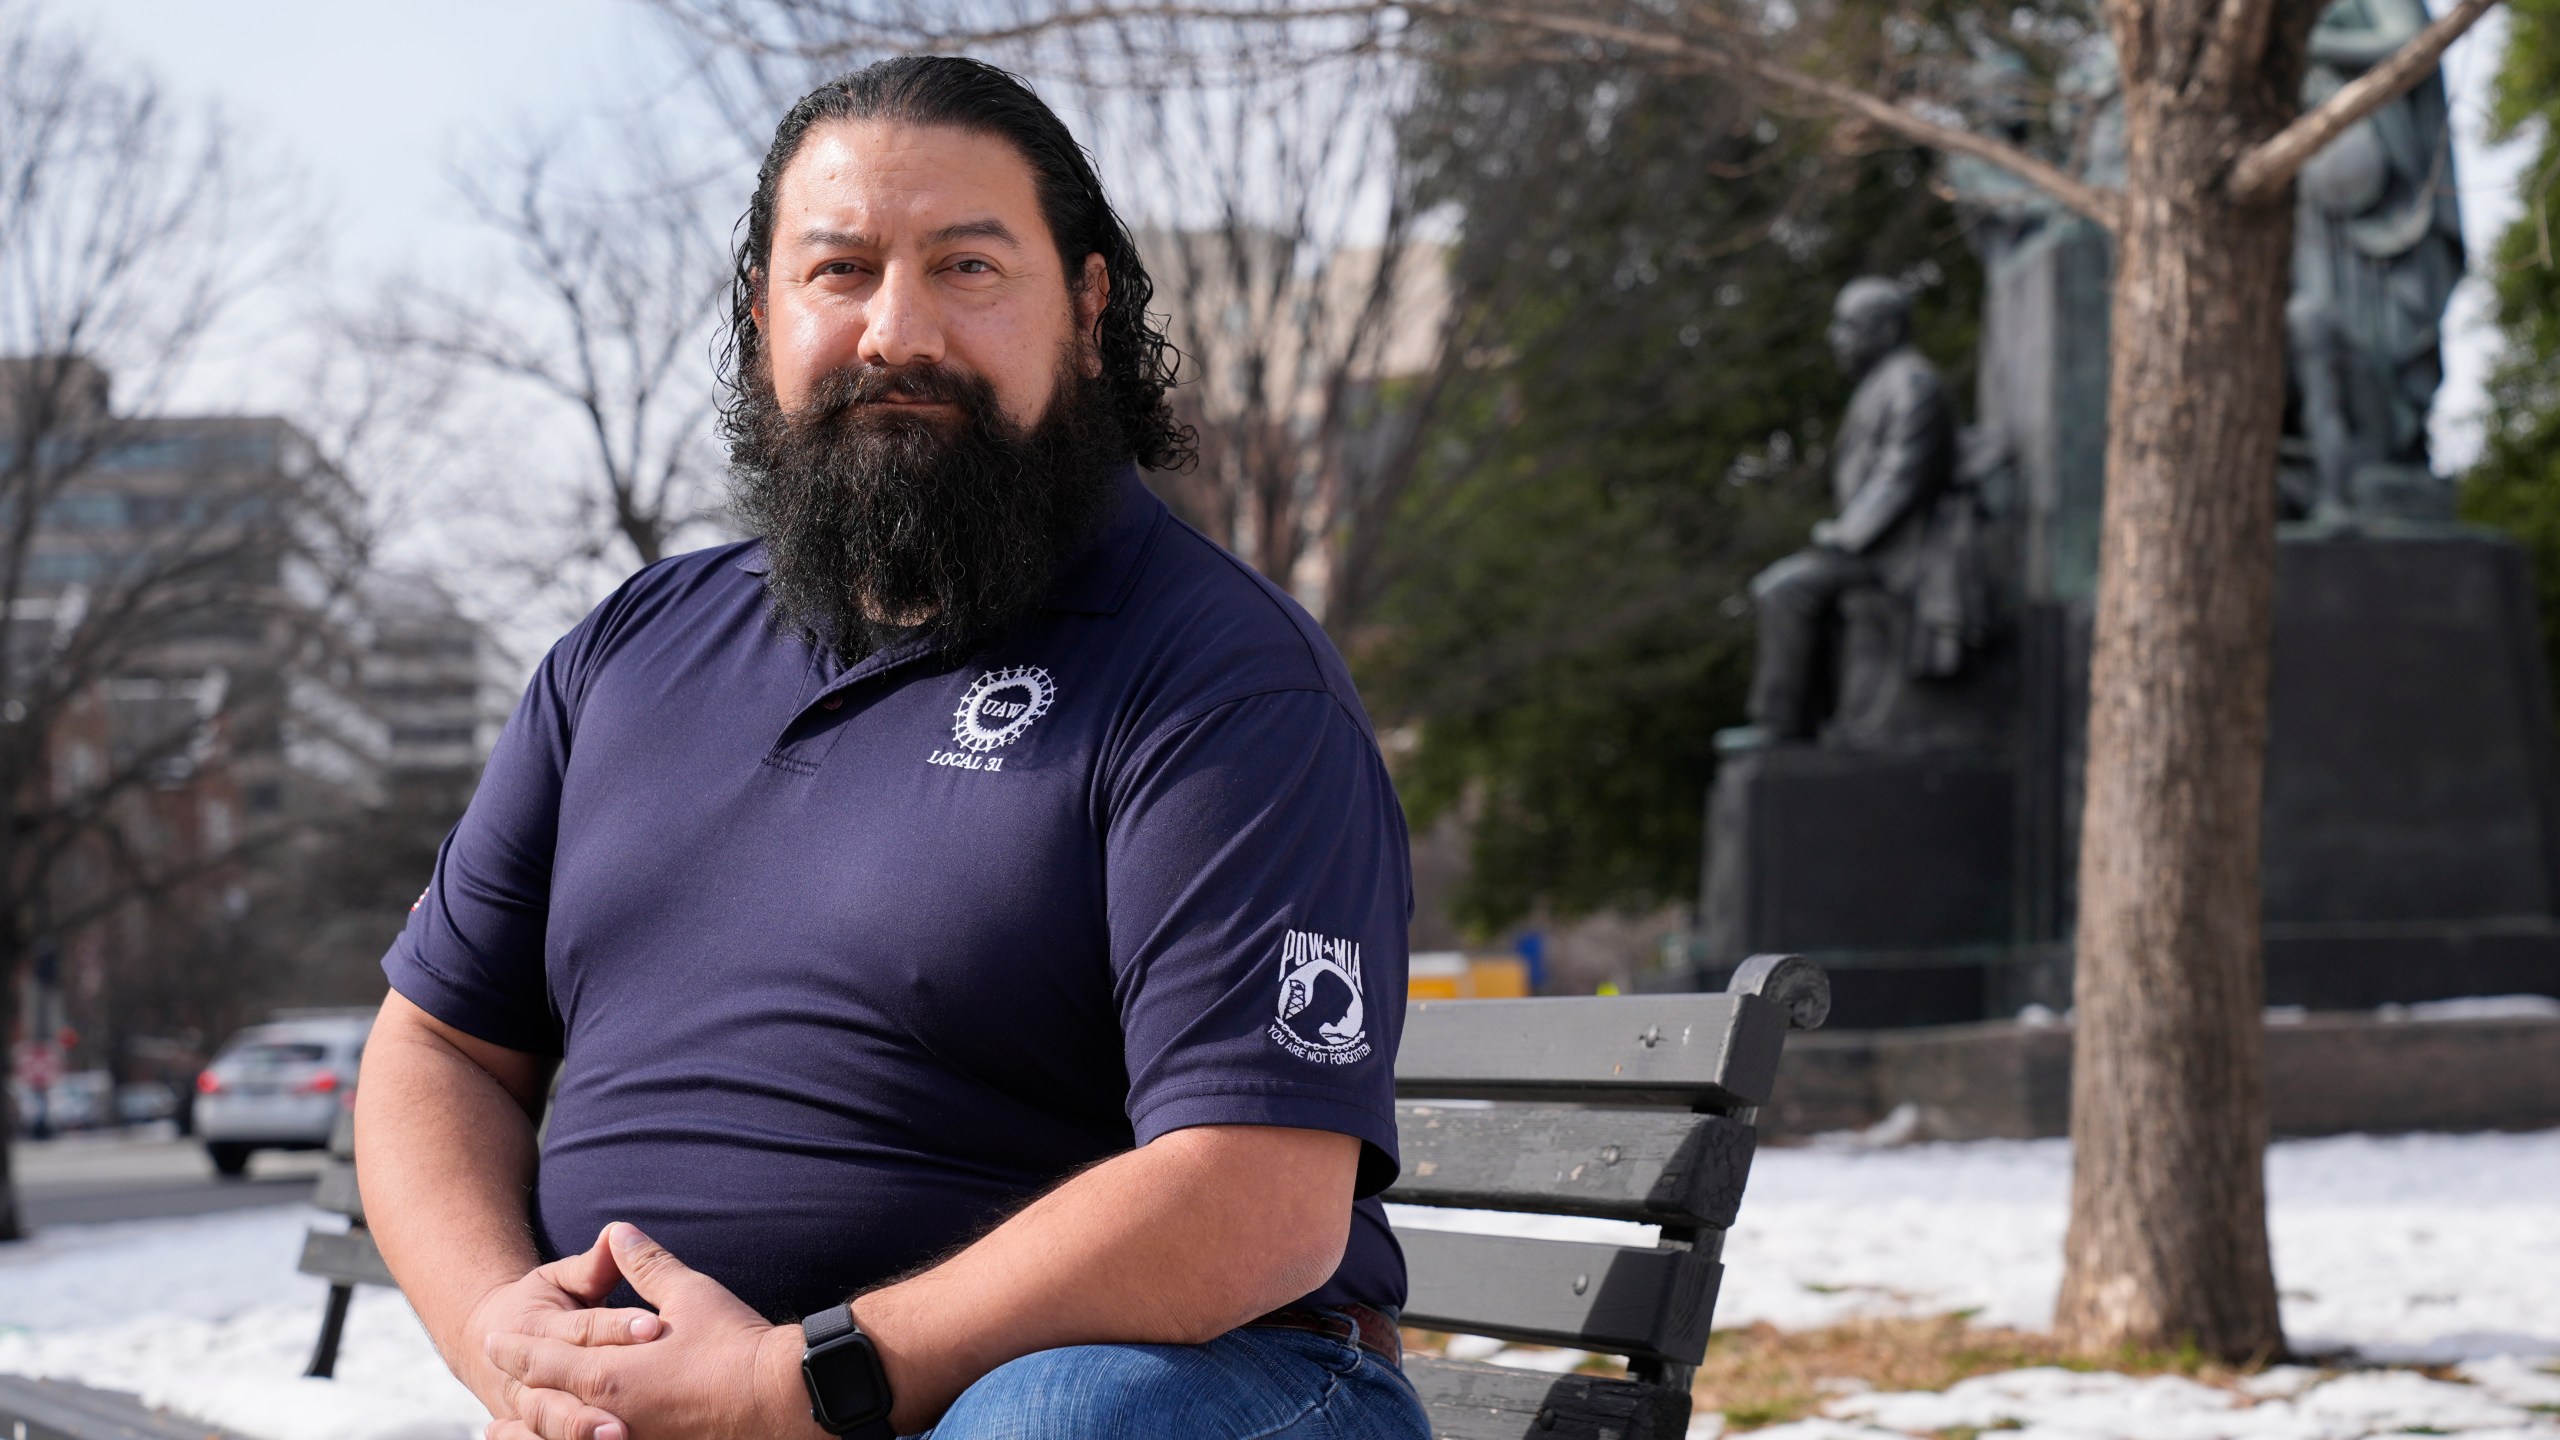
{"points": [[857, 28], [613, 297], [2095, 202], [2265, 170]]}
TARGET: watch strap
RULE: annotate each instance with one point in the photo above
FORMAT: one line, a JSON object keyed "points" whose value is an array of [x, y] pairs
{"points": [[826, 1325], [823, 1329]]}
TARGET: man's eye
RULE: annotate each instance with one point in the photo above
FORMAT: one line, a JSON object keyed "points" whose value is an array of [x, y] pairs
{"points": [[840, 267], [974, 267]]}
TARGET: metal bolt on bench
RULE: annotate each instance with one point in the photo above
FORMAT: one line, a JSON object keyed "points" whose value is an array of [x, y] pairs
{"points": [[1618, 1107], [1635, 1107]]}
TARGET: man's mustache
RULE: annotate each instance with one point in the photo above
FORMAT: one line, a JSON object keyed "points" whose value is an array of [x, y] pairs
{"points": [[917, 382]]}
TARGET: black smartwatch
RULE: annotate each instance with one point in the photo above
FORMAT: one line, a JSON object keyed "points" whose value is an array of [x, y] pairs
{"points": [[848, 1391]]}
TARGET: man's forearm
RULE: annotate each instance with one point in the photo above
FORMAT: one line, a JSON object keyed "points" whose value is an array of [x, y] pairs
{"points": [[446, 1160], [1177, 1242]]}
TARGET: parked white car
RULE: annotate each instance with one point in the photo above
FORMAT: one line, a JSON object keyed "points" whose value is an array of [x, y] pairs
{"points": [[279, 1086]]}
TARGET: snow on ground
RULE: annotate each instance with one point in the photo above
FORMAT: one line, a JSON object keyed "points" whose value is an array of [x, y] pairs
{"points": [[2428, 1248], [2406, 1248], [71, 1277], [206, 1317], [2507, 1400]]}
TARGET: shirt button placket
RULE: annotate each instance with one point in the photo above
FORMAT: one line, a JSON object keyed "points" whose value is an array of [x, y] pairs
{"points": [[806, 743]]}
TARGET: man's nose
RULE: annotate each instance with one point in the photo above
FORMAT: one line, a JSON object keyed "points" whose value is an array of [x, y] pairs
{"points": [[901, 325]]}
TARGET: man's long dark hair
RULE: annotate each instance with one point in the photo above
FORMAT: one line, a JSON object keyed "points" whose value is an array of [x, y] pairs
{"points": [[1138, 365]]}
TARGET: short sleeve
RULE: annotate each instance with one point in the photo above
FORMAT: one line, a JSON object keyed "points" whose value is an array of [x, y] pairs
{"points": [[472, 952], [1259, 891]]}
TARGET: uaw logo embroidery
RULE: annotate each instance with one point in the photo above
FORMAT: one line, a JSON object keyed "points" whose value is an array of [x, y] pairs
{"points": [[1322, 1017], [993, 715]]}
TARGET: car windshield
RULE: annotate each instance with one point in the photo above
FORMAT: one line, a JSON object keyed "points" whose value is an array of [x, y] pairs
{"points": [[275, 1054]]}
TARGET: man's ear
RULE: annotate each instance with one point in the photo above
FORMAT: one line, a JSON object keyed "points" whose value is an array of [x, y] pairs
{"points": [[755, 303], [1091, 297]]}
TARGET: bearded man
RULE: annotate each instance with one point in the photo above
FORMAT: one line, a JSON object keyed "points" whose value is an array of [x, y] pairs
{"points": [[942, 923]]}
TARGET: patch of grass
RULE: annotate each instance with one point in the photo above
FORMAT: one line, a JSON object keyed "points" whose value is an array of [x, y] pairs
{"points": [[1436, 1343], [1763, 1375]]}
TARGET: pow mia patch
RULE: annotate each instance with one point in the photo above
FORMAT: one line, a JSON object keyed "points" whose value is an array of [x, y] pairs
{"points": [[1322, 1014]]}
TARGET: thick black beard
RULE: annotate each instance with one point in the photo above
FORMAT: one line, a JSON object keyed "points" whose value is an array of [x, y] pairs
{"points": [[881, 525]]}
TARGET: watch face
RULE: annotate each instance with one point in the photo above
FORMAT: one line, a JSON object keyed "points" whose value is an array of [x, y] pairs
{"points": [[846, 1386]]}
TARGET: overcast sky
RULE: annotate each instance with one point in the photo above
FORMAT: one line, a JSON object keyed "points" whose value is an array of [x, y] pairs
{"points": [[374, 98]]}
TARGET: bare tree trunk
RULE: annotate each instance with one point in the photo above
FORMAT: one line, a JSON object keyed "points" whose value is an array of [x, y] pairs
{"points": [[12, 956], [2168, 1238]]}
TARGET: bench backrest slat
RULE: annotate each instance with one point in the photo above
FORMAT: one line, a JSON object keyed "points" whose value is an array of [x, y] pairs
{"points": [[1718, 1051], [1653, 1304], [1655, 1167]]}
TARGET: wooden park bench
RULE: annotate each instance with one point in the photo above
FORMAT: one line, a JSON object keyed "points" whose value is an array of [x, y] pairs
{"points": [[1634, 1108]]}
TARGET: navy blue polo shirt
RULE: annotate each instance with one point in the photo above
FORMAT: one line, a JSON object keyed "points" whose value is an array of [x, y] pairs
{"points": [[845, 964]]}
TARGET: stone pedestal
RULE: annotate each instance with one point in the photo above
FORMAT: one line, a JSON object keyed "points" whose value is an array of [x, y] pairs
{"points": [[1894, 870], [2412, 823]]}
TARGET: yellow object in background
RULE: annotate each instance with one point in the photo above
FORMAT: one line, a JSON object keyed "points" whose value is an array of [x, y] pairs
{"points": [[1455, 975], [1436, 975]]}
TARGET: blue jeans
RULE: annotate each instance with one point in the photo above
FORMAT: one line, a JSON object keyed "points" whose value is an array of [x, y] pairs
{"points": [[1244, 1385]]}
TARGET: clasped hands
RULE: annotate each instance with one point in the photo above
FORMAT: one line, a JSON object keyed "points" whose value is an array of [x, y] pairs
{"points": [[703, 1367]]}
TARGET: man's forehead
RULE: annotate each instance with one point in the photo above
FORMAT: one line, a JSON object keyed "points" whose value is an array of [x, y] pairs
{"points": [[889, 180]]}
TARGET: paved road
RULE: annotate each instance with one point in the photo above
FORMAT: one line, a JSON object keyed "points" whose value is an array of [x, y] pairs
{"points": [[82, 1179]]}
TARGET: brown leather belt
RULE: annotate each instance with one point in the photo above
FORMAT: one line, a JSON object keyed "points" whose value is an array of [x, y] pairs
{"points": [[1370, 1328]]}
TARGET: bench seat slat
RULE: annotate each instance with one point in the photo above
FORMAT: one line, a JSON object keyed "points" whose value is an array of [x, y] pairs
{"points": [[337, 1193], [345, 1258], [64, 1410], [1491, 1402], [1654, 1304], [1651, 1166], [1713, 1050]]}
